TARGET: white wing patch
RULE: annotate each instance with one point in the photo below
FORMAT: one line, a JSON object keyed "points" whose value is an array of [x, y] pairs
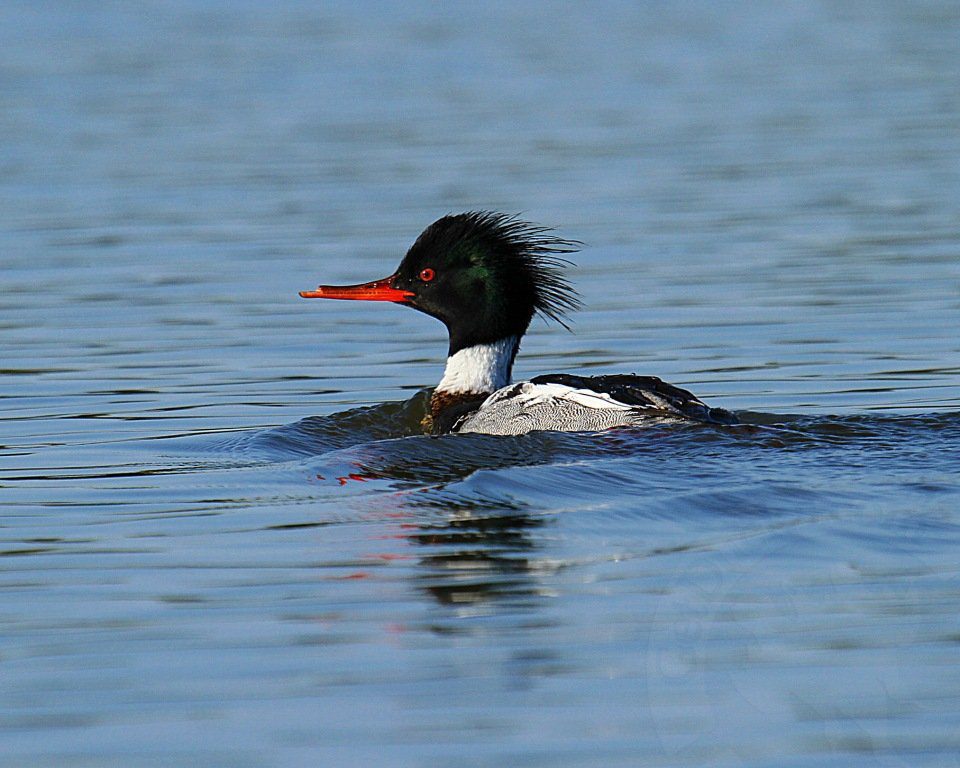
{"points": [[528, 393]]}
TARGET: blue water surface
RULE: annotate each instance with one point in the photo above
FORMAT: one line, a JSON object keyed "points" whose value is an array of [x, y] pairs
{"points": [[223, 542]]}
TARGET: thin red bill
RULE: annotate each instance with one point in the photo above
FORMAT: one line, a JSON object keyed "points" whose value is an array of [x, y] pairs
{"points": [[378, 290]]}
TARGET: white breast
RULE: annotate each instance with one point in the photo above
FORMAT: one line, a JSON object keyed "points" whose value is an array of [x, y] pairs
{"points": [[524, 407], [482, 368]]}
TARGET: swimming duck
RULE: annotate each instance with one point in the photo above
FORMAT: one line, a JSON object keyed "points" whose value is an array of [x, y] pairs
{"points": [[485, 275]]}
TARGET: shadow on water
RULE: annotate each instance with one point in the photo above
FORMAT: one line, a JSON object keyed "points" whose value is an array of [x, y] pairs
{"points": [[476, 507]]}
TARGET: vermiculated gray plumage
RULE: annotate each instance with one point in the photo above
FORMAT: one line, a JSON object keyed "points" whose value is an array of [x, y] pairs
{"points": [[566, 403]]}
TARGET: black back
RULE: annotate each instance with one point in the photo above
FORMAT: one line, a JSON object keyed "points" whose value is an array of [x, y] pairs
{"points": [[644, 392]]}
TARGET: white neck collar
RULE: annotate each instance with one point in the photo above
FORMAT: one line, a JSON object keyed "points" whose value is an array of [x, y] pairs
{"points": [[481, 368]]}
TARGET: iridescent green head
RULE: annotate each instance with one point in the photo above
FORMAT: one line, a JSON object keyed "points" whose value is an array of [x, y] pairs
{"points": [[485, 275]]}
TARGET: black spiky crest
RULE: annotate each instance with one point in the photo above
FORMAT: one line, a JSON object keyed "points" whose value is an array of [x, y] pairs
{"points": [[494, 272], [527, 248]]}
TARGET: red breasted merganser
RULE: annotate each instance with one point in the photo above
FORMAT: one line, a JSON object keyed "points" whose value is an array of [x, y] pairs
{"points": [[485, 275]]}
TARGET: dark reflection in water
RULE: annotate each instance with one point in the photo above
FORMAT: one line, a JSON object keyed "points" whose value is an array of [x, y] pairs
{"points": [[479, 560]]}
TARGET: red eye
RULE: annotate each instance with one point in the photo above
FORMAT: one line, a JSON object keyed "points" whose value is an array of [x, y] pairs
{"points": [[427, 275]]}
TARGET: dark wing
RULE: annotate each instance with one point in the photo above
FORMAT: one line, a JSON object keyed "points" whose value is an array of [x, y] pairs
{"points": [[644, 392]]}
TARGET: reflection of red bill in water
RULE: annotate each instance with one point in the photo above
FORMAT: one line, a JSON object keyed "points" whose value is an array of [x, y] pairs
{"points": [[353, 476]]}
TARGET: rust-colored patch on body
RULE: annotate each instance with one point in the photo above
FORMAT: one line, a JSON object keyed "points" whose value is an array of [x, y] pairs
{"points": [[441, 401]]}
